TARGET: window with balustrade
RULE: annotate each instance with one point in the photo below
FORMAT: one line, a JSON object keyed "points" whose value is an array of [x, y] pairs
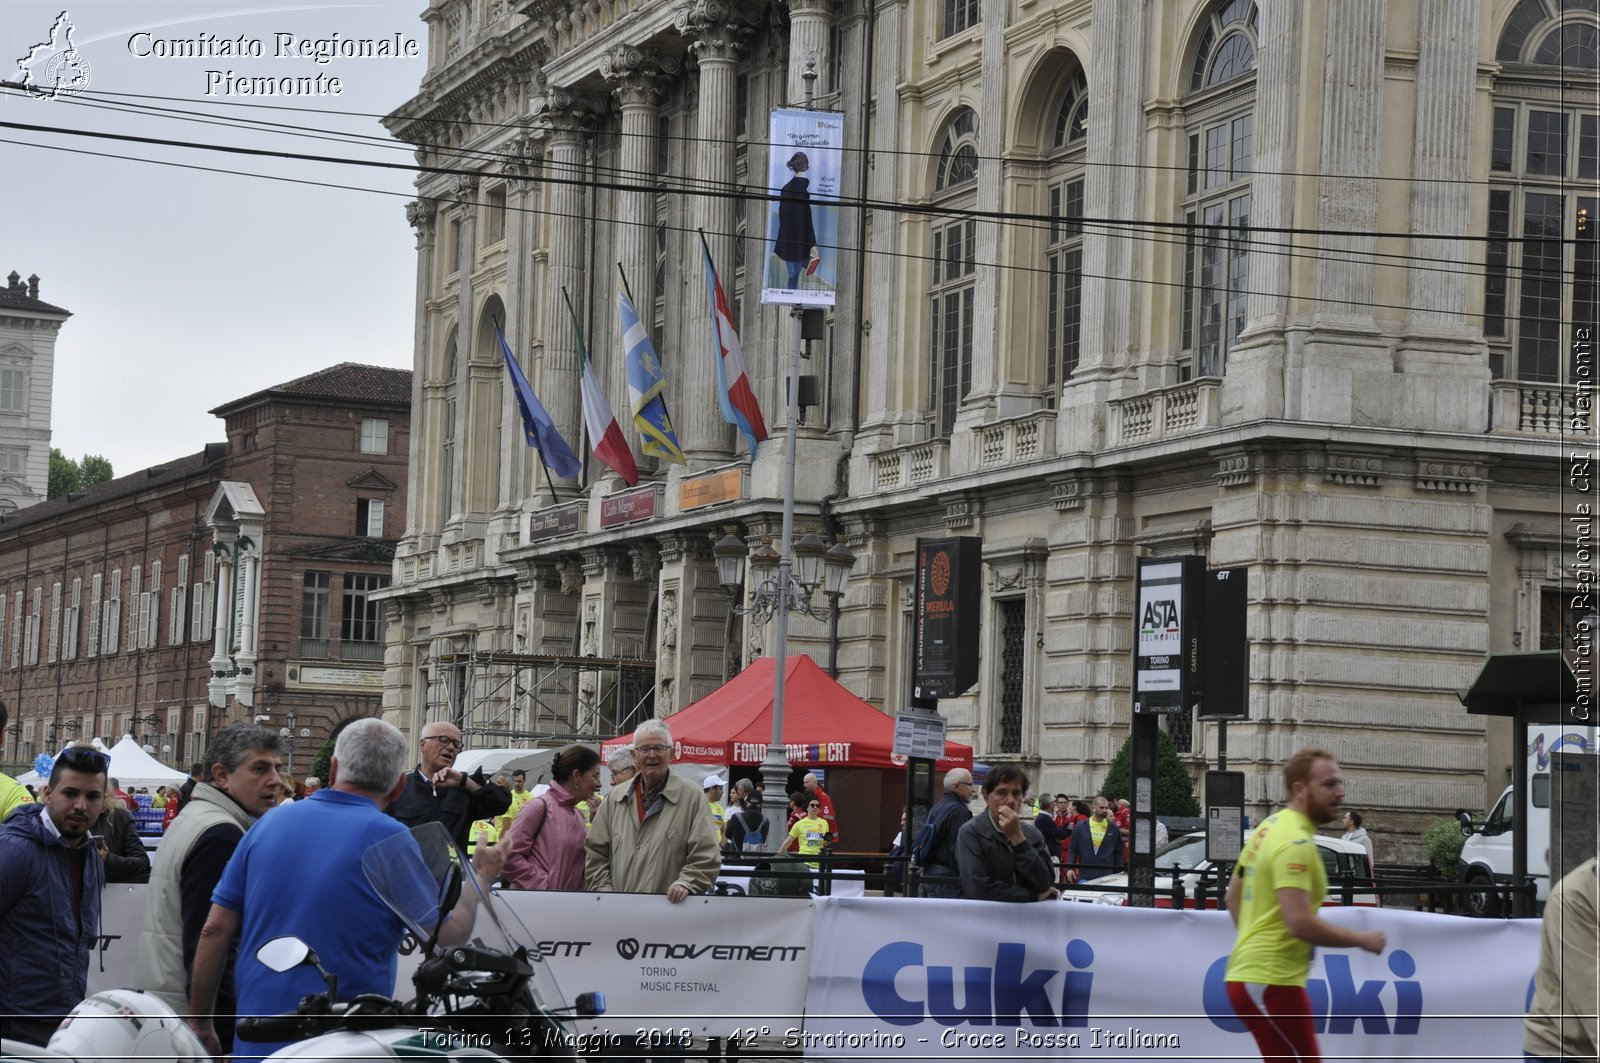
{"points": [[1064, 250], [1219, 140], [1541, 299]]}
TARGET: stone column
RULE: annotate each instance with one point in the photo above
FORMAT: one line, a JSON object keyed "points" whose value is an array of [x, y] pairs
{"points": [[639, 79], [422, 214], [990, 237], [1352, 110], [464, 191], [1442, 359], [566, 121], [521, 204], [718, 31], [809, 24]]}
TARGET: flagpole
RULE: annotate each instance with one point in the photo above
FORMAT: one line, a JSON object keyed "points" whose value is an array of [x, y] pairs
{"points": [[550, 483]]}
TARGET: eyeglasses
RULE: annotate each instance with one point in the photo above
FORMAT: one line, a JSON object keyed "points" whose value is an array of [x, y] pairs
{"points": [[443, 740], [80, 759], [652, 749]]}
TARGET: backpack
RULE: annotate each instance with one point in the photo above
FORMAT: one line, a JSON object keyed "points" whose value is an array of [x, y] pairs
{"points": [[753, 839], [922, 846]]}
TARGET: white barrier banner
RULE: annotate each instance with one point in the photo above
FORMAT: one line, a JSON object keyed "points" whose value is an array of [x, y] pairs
{"points": [[121, 921], [1065, 979], [709, 967]]}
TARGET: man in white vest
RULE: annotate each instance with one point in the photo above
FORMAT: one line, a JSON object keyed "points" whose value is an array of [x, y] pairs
{"points": [[239, 783]]}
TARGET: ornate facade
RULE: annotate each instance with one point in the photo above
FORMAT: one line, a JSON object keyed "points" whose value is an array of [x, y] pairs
{"points": [[28, 329], [1303, 287]]}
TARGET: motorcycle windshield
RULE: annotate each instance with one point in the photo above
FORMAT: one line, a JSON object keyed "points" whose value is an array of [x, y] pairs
{"points": [[420, 874]]}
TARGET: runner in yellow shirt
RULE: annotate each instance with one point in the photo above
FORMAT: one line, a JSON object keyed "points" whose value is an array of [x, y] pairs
{"points": [[809, 835], [1273, 897], [520, 795]]}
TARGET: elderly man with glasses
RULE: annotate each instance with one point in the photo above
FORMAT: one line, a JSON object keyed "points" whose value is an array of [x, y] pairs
{"points": [[652, 834], [435, 790], [50, 882]]}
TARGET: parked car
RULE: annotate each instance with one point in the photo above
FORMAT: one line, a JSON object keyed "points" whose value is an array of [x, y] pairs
{"points": [[1188, 854]]}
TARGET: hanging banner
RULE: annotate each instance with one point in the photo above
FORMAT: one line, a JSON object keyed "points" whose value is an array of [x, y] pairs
{"points": [[961, 979], [804, 172]]}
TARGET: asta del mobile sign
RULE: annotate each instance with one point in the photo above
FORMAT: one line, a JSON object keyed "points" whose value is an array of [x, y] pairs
{"points": [[1166, 633], [949, 583]]}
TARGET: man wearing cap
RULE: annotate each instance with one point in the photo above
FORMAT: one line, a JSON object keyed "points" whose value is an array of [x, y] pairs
{"points": [[712, 785]]}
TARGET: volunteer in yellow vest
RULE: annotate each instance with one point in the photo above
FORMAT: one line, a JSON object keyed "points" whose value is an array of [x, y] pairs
{"points": [[1273, 897], [809, 835], [712, 785], [13, 795], [520, 795], [487, 829]]}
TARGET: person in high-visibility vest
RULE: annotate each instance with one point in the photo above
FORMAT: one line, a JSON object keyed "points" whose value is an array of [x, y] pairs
{"points": [[712, 785], [487, 829], [520, 795]]}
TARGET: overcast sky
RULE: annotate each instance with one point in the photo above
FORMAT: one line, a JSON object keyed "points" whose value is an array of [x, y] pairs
{"points": [[190, 288]]}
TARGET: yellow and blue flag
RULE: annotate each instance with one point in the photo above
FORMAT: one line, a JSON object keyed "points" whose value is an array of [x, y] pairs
{"points": [[646, 386]]}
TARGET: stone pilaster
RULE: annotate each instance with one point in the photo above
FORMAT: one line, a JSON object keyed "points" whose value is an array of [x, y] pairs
{"points": [[1442, 361], [1253, 386], [517, 461], [639, 79], [1113, 188], [809, 24], [1348, 368], [717, 31], [422, 214], [565, 123], [464, 193]]}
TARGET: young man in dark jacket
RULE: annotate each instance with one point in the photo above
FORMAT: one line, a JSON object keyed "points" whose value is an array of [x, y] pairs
{"points": [[50, 883], [435, 790]]}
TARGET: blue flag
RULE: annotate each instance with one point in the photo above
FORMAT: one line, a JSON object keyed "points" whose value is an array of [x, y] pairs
{"points": [[645, 386], [537, 427]]}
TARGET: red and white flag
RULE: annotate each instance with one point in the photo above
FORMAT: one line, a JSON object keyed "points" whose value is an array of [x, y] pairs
{"points": [[605, 435], [734, 394]]}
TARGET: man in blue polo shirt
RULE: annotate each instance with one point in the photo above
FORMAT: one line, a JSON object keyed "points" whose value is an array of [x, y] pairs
{"points": [[336, 911]]}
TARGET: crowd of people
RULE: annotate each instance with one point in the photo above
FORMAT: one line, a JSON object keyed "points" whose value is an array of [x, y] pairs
{"points": [[218, 890]]}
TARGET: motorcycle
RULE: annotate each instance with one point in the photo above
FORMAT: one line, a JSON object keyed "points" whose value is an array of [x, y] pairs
{"points": [[482, 992]]}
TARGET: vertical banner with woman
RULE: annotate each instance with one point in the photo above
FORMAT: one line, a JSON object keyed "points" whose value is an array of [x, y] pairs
{"points": [[803, 173]]}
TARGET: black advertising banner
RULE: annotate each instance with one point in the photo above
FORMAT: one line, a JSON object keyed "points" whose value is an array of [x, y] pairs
{"points": [[949, 583], [1225, 646], [1166, 630]]}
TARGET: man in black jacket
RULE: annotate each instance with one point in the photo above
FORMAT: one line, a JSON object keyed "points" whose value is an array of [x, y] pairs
{"points": [[1001, 855], [949, 815], [435, 790]]}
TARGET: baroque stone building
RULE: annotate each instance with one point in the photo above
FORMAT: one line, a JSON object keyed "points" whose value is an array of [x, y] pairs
{"points": [[1307, 288], [232, 584], [28, 330]]}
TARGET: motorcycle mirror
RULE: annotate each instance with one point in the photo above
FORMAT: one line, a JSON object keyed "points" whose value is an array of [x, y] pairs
{"points": [[285, 954]]}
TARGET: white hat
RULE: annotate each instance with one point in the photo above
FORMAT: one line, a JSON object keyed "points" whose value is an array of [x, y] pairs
{"points": [[710, 781]]}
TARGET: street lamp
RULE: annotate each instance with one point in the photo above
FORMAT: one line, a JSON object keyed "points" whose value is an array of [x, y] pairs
{"points": [[817, 565]]}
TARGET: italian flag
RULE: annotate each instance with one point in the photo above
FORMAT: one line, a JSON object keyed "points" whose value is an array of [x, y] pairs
{"points": [[605, 435]]}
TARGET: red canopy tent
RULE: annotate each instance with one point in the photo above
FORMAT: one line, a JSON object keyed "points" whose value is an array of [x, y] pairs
{"points": [[824, 725]]}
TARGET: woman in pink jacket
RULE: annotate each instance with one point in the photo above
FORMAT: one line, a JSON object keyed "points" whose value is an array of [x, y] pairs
{"points": [[546, 839]]}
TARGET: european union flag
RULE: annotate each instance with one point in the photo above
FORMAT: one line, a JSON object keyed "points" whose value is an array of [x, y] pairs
{"points": [[537, 427], [646, 385]]}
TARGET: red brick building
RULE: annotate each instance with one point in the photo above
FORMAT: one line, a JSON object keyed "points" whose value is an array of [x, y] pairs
{"points": [[231, 584]]}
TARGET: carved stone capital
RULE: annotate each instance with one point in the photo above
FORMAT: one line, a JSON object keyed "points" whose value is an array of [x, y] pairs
{"points": [[420, 215], [639, 76], [464, 189], [812, 8], [567, 113], [717, 29]]}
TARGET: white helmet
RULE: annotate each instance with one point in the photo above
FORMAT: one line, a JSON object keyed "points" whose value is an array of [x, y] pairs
{"points": [[118, 1024]]}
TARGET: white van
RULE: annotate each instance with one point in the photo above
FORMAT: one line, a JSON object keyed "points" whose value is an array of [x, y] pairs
{"points": [[1486, 854]]}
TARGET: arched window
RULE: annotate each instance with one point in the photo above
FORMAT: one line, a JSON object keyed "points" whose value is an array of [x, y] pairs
{"points": [[1219, 110], [1064, 243], [954, 281], [958, 155], [1542, 264]]}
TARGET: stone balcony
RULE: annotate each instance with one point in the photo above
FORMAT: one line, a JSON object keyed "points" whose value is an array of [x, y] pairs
{"points": [[1165, 412], [1527, 408]]}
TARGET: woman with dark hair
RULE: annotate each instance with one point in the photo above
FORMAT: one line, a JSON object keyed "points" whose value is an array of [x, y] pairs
{"points": [[796, 243], [545, 844]]}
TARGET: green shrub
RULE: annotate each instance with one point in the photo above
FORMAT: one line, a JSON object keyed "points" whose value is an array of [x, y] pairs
{"points": [[1442, 841], [1174, 788]]}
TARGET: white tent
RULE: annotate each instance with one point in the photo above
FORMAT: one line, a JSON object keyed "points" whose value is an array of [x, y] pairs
{"points": [[132, 767]]}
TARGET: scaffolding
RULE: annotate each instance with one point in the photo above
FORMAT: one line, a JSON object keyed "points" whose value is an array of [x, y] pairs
{"points": [[522, 699]]}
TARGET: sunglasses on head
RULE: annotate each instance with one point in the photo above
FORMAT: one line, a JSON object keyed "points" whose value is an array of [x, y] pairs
{"points": [[80, 759]]}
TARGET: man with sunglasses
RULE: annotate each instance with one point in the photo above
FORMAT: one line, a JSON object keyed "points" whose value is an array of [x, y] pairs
{"points": [[435, 790], [50, 883]]}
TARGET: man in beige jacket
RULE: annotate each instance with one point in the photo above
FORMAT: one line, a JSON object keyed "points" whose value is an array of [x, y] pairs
{"points": [[1562, 1024], [652, 834]]}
